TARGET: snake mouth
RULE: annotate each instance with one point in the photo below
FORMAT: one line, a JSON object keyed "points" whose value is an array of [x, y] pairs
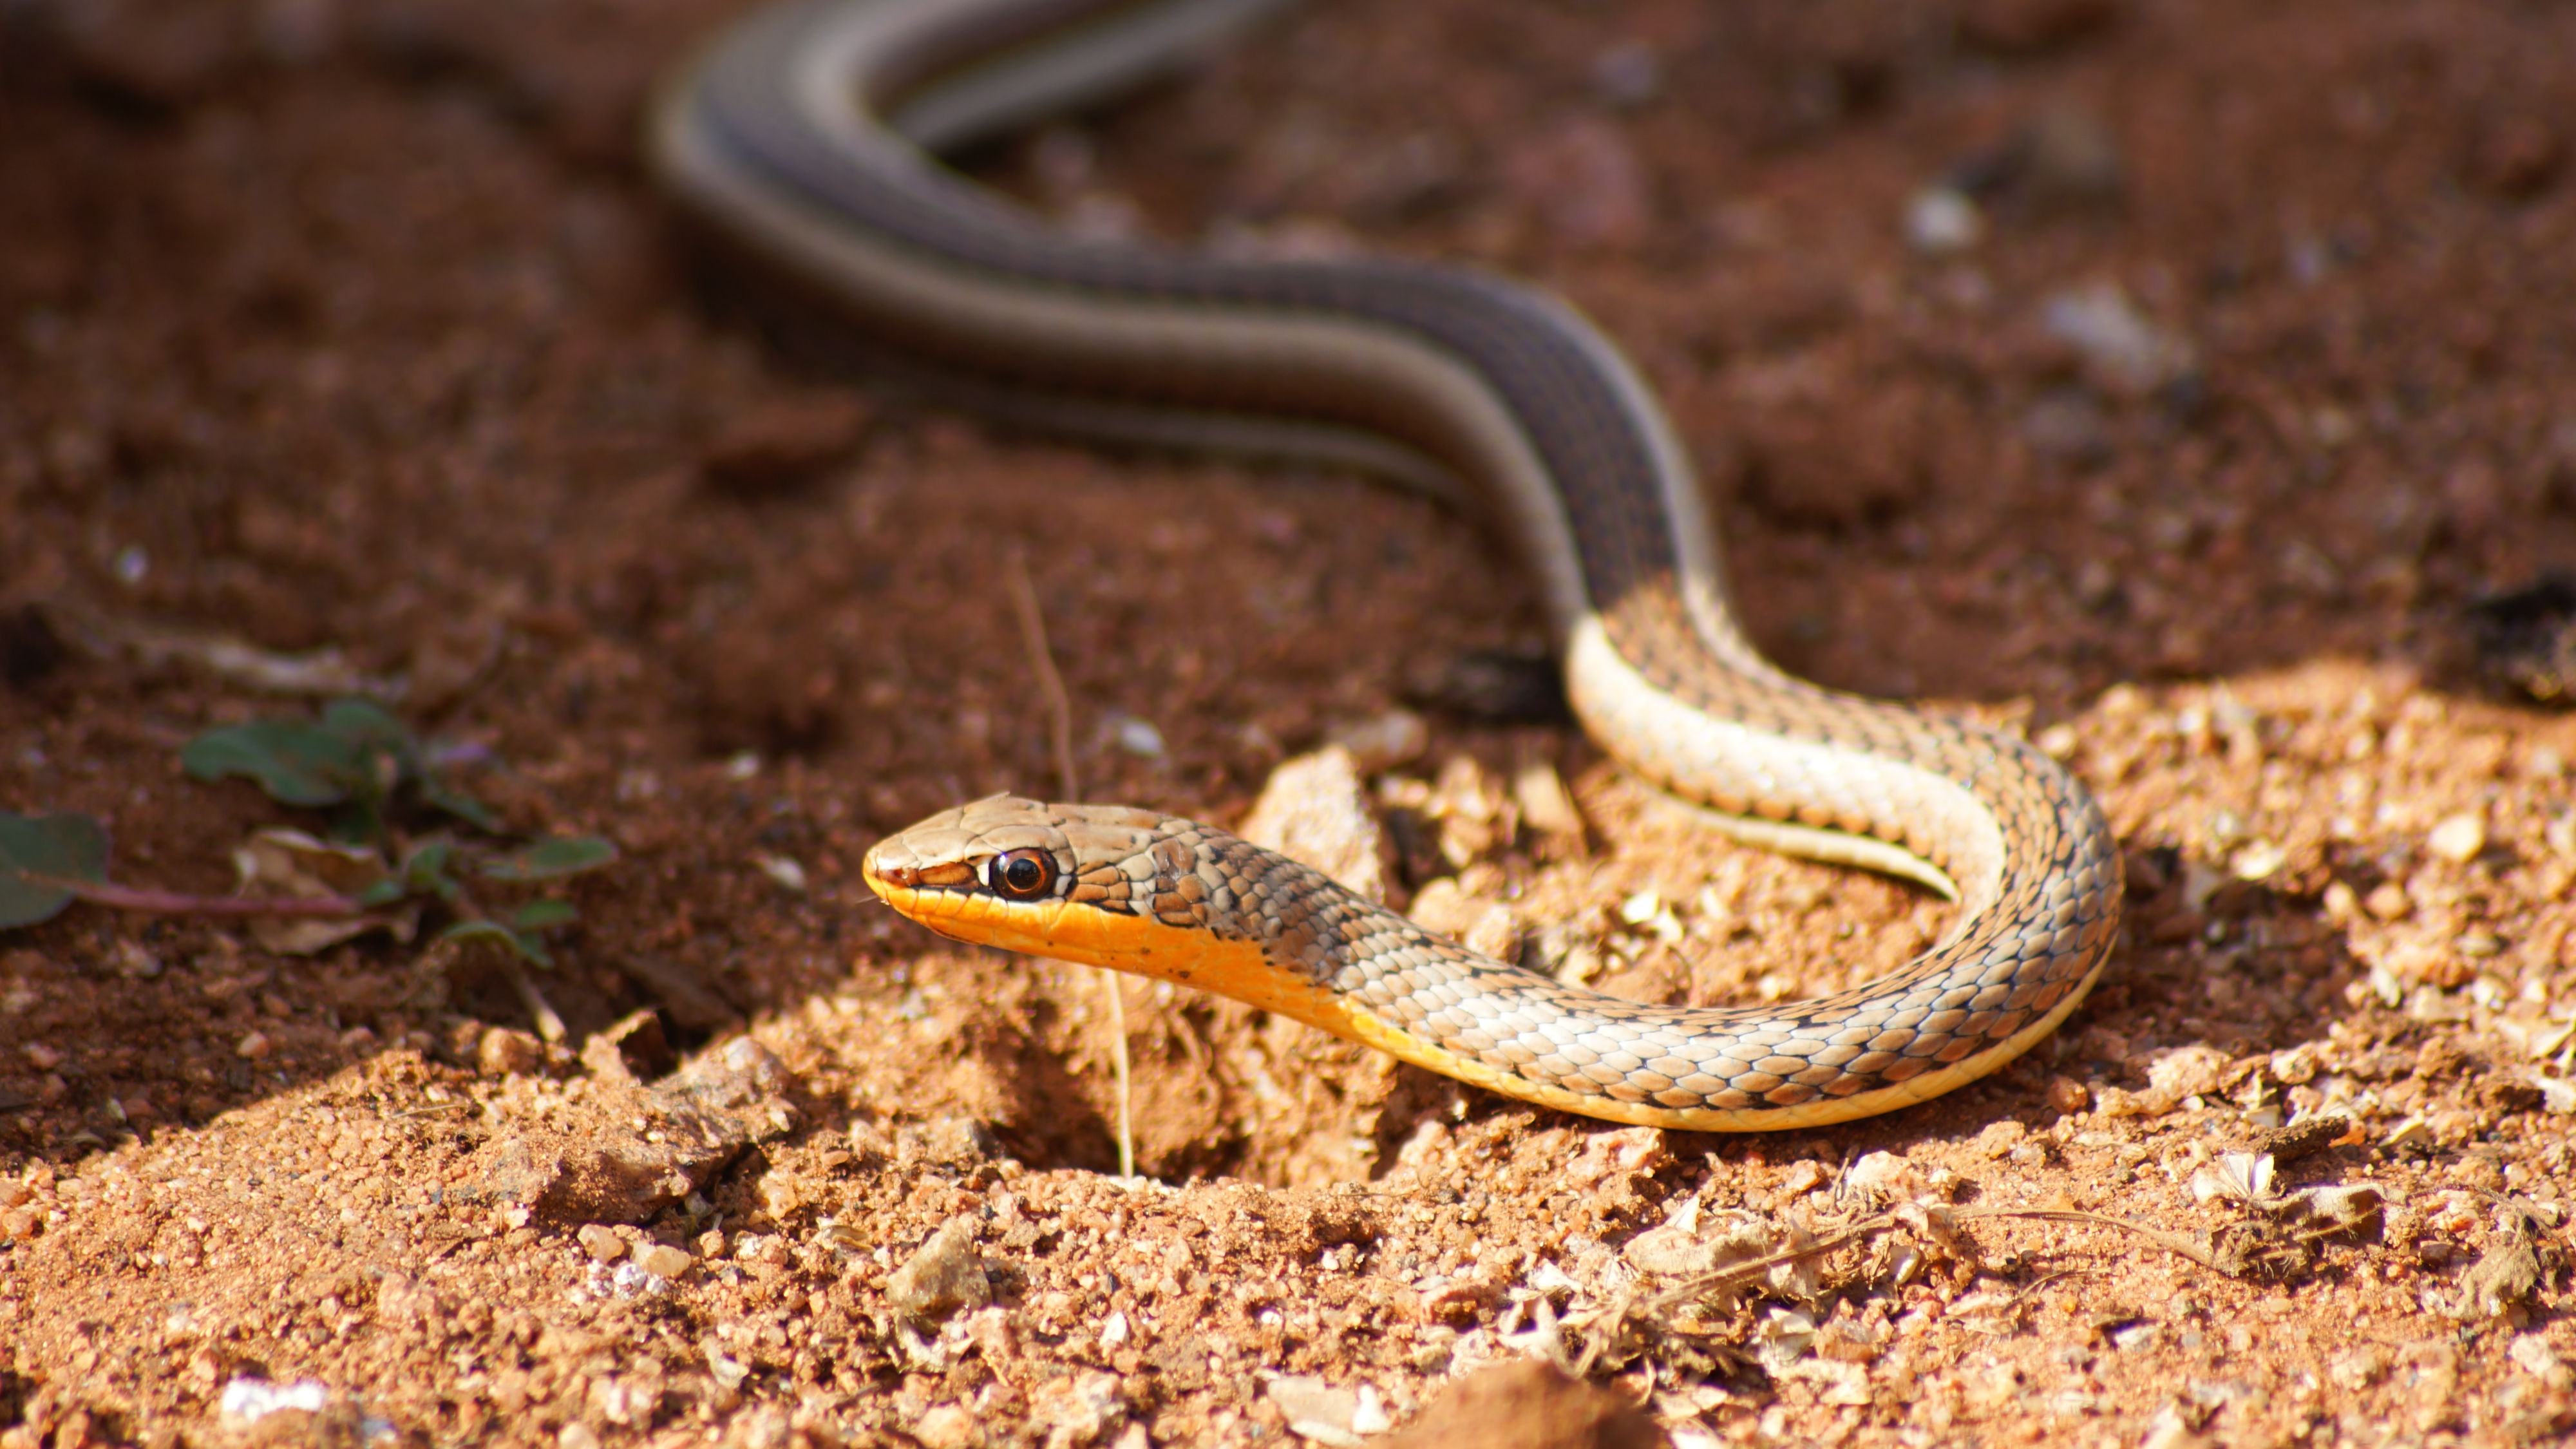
{"points": [[883, 875]]}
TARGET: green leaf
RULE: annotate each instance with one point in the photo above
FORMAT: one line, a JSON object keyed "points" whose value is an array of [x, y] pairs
{"points": [[463, 806], [366, 726], [356, 756], [383, 893], [550, 859], [424, 871], [295, 762], [537, 915], [382, 754], [59, 847], [359, 823], [493, 933]]}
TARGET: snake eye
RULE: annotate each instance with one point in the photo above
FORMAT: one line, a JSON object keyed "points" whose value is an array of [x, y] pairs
{"points": [[1020, 874]]}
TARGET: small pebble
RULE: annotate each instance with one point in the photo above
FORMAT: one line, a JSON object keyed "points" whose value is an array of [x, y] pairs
{"points": [[946, 1275], [1942, 220], [1444, 908], [783, 442], [252, 1046], [1387, 740], [601, 1242], [2070, 160], [509, 1052], [2258, 860], [1308, 1402], [2388, 901], [1627, 75], [2123, 350], [948, 1426], [1585, 182], [661, 1259], [1999, 1138], [1138, 737], [786, 871], [2458, 838], [2067, 424], [2532, 1354], [1546, 805]]}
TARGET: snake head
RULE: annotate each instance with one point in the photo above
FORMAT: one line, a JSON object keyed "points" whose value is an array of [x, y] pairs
{"points": [[1108, 885], [1020, 874]]}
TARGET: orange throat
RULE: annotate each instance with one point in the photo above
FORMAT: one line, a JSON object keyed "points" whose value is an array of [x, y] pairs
{"points": [[1138, 945]]}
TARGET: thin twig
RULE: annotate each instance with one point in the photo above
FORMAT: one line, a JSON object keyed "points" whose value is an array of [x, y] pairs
{"points": [[2173, 1243], [550, 1027], [1024, 598], [174, 903], [1734, 1273]]}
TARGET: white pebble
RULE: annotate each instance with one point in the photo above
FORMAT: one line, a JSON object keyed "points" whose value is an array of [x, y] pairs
{"points": [[2458, 838], [1940, 220]]}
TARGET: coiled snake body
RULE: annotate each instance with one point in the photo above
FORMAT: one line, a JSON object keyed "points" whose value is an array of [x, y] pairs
{"points": [[797, 141]]}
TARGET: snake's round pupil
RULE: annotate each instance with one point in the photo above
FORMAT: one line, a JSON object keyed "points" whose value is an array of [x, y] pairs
{"points": [[1023, 873]]}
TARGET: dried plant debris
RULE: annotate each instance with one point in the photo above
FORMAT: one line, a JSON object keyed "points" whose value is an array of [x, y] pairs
{"points": [[2305, 1137], [1726, 1289], [2523, 1254], [317, 673]]}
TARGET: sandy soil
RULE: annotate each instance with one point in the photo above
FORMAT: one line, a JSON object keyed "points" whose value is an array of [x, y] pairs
{"points": [[2167, 379]]}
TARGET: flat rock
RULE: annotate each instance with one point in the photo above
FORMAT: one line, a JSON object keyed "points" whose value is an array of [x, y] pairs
{"points": [[1527, 1405], [1315, 809]]}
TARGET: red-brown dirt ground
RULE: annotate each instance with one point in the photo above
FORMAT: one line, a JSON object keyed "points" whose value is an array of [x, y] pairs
{"points": [[2164, 379]]}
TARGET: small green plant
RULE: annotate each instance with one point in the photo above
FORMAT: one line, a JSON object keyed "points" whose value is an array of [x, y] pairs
{"points": [[353, 760], [370, 773], [44, 859]]}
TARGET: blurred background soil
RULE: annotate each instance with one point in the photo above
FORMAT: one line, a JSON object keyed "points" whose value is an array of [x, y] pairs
{"points": [[2182, 384]]}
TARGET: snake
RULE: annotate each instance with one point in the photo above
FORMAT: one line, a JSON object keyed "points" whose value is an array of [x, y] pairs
{"points": [[799, 148]]}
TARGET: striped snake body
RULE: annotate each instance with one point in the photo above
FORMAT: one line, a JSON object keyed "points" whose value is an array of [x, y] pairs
{"points": [[797, 143]]}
